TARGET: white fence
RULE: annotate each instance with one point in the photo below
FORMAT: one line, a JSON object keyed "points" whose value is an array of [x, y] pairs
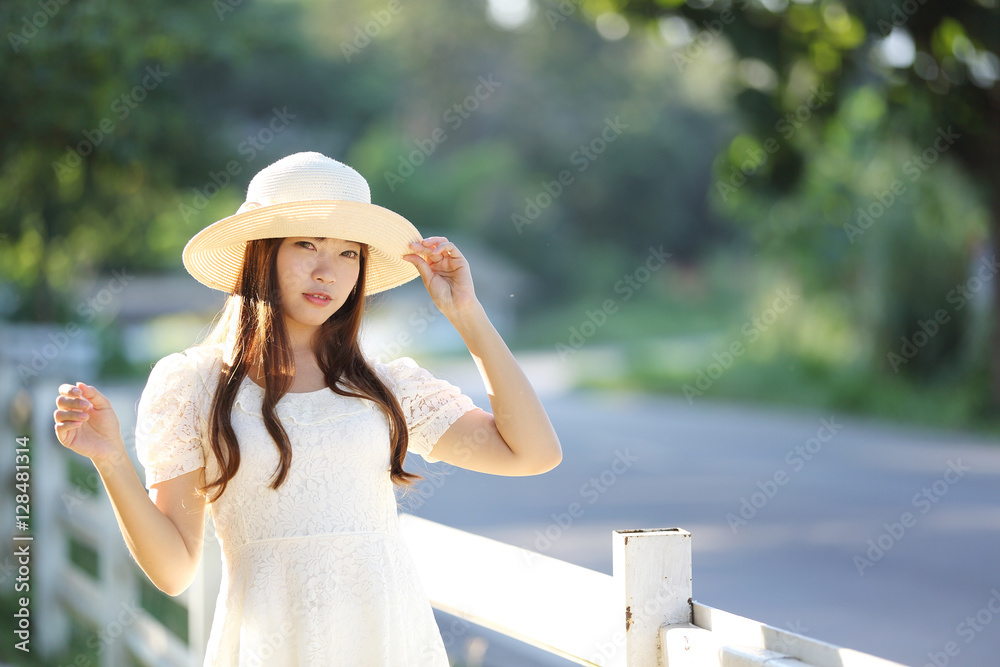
{"points": [[643, 614]]}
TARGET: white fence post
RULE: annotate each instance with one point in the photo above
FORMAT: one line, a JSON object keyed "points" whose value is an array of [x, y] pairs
{"points": [[652, 573], [118, 585], [646, 607], [204, 593], [34, 360]]}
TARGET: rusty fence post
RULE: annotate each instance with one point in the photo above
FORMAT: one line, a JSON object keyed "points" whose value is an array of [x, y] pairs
{"points": [[652, 574]]}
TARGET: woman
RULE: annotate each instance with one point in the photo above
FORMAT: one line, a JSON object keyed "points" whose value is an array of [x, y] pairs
{"points": [[302, 436]]}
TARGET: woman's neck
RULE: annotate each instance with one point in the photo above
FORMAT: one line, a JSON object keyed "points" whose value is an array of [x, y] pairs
{"points": [[308, 376]]}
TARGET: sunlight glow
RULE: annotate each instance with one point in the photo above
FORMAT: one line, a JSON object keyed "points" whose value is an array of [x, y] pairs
{"points": [[676, 31], [985, 69], [775, 6], [612, 26], [758, 74], [510, 14], [897, 50]]}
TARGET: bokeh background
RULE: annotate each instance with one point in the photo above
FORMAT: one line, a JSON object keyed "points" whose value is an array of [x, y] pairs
{"points": [[754, 139], [772, 203]]}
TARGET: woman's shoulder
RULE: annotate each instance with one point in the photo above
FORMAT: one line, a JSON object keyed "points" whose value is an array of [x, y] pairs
{"points": [[408, 378], [198, 362], [395, 369], [205, 354]]}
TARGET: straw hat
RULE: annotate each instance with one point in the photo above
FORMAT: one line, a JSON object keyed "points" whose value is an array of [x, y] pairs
{"points": [[305, 194]]}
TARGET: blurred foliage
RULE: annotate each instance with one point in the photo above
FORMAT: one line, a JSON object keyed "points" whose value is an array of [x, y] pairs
{"points": [[105, 127], [147, 185], [730, 133], [847, 105]]}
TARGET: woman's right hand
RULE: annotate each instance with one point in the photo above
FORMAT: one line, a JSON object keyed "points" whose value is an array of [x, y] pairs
{"points": [[86, 423]]}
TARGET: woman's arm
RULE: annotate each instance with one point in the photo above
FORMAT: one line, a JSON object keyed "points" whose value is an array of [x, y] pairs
{"points": [[164, 537], [518, 438]]}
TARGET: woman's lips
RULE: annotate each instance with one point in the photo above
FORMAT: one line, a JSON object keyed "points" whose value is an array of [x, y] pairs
{"points": [[314, 300]]}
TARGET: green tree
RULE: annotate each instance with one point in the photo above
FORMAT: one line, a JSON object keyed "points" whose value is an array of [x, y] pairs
{"points": [[850, 79], [111, 114]]}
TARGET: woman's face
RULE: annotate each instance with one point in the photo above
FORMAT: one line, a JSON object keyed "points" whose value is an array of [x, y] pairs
{"points": [[316, 266]]}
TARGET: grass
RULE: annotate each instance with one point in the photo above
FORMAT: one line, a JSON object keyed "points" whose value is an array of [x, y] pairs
{"points": [[789, 382], [677, 330]]}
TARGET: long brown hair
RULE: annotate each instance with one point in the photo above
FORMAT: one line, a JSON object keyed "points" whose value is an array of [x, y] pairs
{"points": [[252, 319]]}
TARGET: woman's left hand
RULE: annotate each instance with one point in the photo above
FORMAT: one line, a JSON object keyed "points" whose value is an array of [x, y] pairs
{"points": [[445, 273]]}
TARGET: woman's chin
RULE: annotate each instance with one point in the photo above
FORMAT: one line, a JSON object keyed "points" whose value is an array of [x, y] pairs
{"points": [[312, 319]]}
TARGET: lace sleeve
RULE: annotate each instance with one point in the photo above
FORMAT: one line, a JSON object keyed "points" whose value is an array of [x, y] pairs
{"points": [[168, 432], [430, 405]]}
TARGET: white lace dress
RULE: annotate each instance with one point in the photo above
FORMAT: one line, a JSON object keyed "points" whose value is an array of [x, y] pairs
{"points": [[315, 572]]}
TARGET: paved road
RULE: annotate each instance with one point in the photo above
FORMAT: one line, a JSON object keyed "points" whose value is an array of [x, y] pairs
{"points": [[799, 555]]}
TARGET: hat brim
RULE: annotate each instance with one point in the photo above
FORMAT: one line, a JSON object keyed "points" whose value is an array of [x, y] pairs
{"points": [[214, 256]]}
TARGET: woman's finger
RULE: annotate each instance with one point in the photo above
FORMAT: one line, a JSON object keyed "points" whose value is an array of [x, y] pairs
{"points": [[70, 416], [70, 390], [422, 267], [69, 402], [428, 245], [62, 428], [447, 249]]}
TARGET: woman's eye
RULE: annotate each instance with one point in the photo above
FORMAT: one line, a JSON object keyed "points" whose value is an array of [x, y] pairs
{"points": [[301, 242], [351, 253]]}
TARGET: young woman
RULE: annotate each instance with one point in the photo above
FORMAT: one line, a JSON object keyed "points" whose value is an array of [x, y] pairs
{"points": [[299, 436]]}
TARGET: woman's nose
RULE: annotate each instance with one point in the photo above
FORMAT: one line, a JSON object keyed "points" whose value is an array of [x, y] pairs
{"points": [[324, 270]]}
